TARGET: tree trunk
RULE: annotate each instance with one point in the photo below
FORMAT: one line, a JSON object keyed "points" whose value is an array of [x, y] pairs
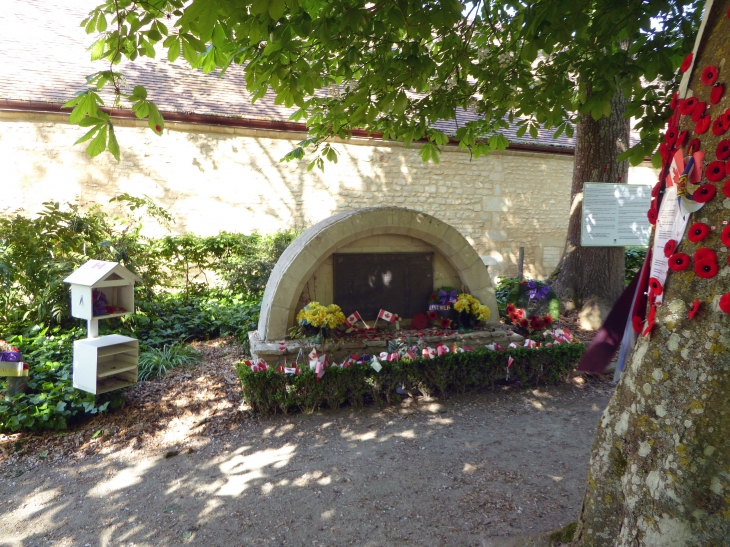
{"points": [[591, 279], [659, 474]]}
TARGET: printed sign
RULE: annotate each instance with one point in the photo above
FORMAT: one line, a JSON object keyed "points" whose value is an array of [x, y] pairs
{"points": [[614, 215]]}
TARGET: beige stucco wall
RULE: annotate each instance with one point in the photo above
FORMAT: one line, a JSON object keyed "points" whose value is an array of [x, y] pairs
{"points": [[217, 178], [320, 286]]}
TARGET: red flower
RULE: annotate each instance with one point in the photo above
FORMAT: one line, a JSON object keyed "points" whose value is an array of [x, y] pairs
{"points": [[671, 135], [420, 321], [433, 296], [652, 214], [537, 324], [678, 262], [637, 324], [520, 313], [726, 188], [698, 231], [670, 247], [720, 125], [675, 100], [432, 316], [680, 140], [524, 323], [694, 310], [686, 63], [694, 146], [705, 254], [514, 318], [655, 286], [709, 75], [716, 93], [650, 320], [656, 190], [725, 302], [704, 193], [548, 320], [688, 106], [722, 152], [703, 125], [445, 323], [699, 111], [715, 171], [706, 269], [510, 309], [725, 235]]}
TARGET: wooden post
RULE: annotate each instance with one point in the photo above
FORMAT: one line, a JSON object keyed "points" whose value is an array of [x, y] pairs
{"points": [[520, 263]]}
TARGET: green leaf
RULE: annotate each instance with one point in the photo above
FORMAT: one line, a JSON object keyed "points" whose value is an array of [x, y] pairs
{"points": [[98, 144], [259, 6], [277, 9], [88, 135], [113, 144], [656, 161]]}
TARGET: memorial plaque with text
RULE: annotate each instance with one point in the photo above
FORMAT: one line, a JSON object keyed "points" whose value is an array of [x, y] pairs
{"points": [[614, 215]]}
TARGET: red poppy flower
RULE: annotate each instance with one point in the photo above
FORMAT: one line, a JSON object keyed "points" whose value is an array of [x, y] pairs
{"points": [[524, 323], [688, 106], [432, 316], [653, 213], [706, 269], [675, 100], [726, 188], [715, 171], [537, 324], [637, 324], [694, 146], [725, 302], [704, 193], [671, 135], [716, 94], [548, 320], [655, 286], [520, 313], [709, 75], [420, 321], [722, 152], [698, 231], [433, 296], [678, 262], [703, 125], [699, 111], [695, 308], [725, 235], [727, 168], [510, 309], [657, 188], [445, 323], [720, 125], [681, 139], [705, 254], [686, 63], [669, 248]]}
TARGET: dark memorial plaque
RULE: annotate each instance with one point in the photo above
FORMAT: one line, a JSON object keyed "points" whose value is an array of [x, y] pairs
{"points": [[397, 282]]}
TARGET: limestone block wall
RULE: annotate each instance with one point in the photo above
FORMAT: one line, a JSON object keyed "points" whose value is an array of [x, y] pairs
{"points": [[214, 178]]}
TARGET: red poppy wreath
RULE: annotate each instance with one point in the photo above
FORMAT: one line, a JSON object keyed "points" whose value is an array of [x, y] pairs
{"points": [[715, 171], [704, 193], [679, 262], [709, 75], [698, 231], [706, 269]]}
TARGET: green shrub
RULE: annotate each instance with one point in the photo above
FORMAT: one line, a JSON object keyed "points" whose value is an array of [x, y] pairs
{"points": [[634, 260], [271, 391], [156, 362]]}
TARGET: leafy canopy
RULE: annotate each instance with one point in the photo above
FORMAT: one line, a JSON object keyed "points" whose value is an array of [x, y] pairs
{"points": [[397, 66]]}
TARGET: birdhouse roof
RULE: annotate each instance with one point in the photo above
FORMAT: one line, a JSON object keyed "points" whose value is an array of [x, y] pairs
{"points": [[95, 271]]}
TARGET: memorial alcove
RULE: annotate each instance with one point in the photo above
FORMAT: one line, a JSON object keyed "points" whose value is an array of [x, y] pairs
{"points": [[377, 229]]}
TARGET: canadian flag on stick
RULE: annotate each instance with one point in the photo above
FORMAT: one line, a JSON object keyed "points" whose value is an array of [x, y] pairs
{"points": [[353, 319], [386, 316]]}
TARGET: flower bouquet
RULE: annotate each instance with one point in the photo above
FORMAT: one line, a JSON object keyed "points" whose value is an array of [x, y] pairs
{"points": [[531, 307], [470, 310], [315, 319]]}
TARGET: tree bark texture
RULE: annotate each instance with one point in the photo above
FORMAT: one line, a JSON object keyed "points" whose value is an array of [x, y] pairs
{"points": [[659, 474], [591, 279]]}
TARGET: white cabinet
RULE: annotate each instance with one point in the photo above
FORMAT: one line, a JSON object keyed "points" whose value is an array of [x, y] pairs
{"points": [[105, 364], [101, 290]]}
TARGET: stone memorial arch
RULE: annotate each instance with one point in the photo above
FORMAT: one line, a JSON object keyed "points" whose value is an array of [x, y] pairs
{"points": [[392, 227]]}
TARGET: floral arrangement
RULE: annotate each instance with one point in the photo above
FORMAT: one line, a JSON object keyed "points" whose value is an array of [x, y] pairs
{"points": [[438, 321], [533, 323], [442, 299], [315, 317], [466, 303]]}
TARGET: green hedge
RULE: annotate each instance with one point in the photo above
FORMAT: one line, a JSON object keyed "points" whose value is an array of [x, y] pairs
{"points": [[270, 391]]}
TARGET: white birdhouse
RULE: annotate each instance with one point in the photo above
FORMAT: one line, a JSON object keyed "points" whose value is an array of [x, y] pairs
{"points": [[101, 290]]}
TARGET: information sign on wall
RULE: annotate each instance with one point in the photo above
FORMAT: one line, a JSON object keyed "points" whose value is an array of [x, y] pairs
{"points": [[614, 215]]}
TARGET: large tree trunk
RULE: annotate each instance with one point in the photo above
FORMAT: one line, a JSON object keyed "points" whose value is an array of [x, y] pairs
{"points": [[591, 279], [660, 470]]}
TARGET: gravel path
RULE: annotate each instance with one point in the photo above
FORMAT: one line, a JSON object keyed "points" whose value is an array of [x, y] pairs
{"points": [[188, 466]]}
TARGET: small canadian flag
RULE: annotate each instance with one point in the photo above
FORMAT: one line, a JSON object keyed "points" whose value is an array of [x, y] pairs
{"points": [[510, 361], [386, 316], [353, 319]]}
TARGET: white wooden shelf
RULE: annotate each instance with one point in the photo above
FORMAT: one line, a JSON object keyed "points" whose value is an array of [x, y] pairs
{"points": [[106, 363]]}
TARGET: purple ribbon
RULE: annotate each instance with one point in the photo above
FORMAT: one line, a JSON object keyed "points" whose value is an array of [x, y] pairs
{"points": [[11, 356], [537, 292], [451, 297]]}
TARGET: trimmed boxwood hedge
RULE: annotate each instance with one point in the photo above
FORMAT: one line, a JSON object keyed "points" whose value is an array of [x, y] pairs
{"points": [[270, 391]]}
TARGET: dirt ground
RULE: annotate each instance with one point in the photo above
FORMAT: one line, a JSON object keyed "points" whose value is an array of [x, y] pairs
{"points": [[186, 464]]}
